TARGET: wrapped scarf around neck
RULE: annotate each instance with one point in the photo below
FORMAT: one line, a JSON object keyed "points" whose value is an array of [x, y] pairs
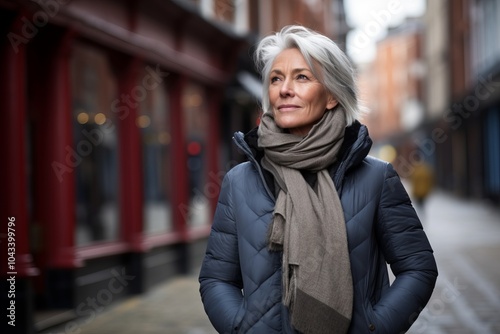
{"points": [[309, 224]]}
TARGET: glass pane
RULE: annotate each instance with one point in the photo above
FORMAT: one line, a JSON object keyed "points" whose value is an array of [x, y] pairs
{"points": [[196, 121], [153, 121], [95, 149]]}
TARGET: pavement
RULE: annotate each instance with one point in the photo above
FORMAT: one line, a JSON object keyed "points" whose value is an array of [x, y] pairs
{"points": [[465, 236], [171, 308]]}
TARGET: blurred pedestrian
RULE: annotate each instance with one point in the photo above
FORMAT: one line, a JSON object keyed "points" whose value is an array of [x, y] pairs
{"points": [[303, 231], [422, 183]]}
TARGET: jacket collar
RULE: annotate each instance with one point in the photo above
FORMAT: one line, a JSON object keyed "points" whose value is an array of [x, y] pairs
{"points": [[356, 146], [254, 155]]}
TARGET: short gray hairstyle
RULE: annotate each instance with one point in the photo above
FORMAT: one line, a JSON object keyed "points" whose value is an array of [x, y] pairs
{"points": [[337, 72]]}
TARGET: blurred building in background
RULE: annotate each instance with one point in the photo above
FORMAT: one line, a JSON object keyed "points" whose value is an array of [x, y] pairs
{"points": [[433, 92], [472, 121], [394, 90], [117, 119]]}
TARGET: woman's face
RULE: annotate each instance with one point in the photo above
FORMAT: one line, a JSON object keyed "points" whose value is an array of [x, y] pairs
{"points": [[297, 98]]}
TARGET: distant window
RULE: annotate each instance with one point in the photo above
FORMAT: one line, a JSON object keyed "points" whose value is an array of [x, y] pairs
{"points": [[154, 123], [95, 145], [233, 12], [225, 10]]}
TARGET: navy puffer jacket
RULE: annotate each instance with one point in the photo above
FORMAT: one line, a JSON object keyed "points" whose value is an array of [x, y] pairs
{"points": [[240, 279]]}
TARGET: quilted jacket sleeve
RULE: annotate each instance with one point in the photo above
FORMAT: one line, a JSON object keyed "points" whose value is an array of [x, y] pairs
{"points": [[220, 276], [407, 250]]}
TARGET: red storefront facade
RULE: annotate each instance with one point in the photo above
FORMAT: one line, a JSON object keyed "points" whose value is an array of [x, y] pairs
{"points": [[110, 145]]}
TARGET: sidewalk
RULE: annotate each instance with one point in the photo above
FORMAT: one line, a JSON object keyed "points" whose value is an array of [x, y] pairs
{"points": [[171, 308], [465, 236]]}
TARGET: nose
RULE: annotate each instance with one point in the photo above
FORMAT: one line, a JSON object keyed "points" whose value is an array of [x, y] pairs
{"points": [[287, 88]]}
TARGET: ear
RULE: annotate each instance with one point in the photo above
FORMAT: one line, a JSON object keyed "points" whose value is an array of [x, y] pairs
{"points": [[331, 102]]}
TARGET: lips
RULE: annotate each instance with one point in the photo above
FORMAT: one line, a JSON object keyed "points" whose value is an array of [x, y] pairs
{"points": [[287, 107]]}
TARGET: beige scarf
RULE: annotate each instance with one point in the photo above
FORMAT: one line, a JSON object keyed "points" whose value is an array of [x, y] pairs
{"points": [[309, 224]]}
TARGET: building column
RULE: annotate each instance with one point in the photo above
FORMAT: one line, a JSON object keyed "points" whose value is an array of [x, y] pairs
{"points": [[55, 160], [17, 266], [130, 162], [130, 153]]}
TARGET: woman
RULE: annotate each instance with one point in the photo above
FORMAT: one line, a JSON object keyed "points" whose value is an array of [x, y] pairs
{"points": [[303, 231]]}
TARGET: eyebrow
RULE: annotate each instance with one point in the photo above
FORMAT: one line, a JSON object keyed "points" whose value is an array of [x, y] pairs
{"points": [[295, 70]]}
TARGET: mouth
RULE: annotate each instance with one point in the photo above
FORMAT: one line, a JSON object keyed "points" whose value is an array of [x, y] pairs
{"points": [[287, 107]]}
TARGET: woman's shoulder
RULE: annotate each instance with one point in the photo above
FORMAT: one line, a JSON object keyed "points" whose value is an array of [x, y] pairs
{"points": [[376, 164], [249, 179], [241, 170], [243, 176], [370, 175], [374, 167], [381, 177]]}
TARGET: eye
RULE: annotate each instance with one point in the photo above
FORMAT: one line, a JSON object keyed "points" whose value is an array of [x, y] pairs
{"points": [[302, 77], [274, 79]]}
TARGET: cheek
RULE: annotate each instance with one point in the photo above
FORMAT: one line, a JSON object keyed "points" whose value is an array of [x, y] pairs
{"points": [[272, 96]]}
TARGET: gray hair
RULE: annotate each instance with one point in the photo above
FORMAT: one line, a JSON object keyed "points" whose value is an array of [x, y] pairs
{"points": [[337, 73]]}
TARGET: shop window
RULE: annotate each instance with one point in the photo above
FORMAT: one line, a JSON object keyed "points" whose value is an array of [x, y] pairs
{"points": [[95, 148], [196, 122], [153, 122]]}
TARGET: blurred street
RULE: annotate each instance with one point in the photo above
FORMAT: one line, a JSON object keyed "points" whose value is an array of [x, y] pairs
{"points": [[466, 239], [465, 236]]}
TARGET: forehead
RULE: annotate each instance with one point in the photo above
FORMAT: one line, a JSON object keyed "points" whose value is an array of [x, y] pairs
{"points": [[290, 58]]}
